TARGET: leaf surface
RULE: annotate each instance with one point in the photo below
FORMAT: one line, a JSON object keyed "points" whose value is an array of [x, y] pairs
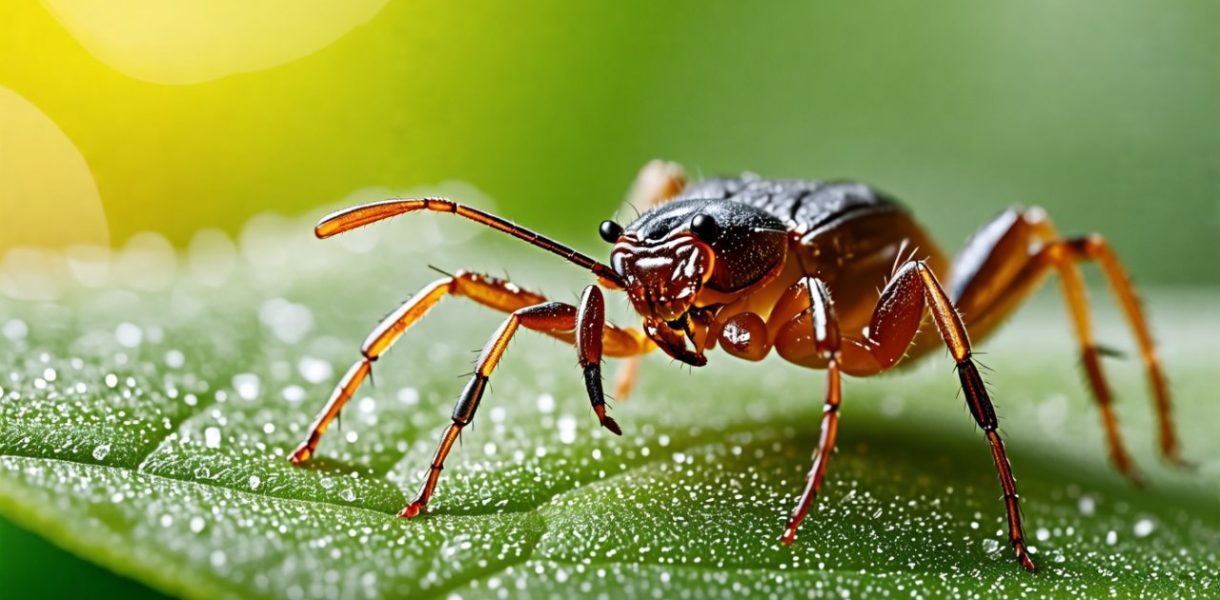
{"points": [[148, 431]]}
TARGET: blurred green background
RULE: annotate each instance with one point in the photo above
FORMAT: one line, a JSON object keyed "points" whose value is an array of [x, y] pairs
{"points": [[1104, 112], [203, 114]]}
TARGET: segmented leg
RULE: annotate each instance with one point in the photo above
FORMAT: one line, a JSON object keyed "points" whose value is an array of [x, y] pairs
{"points": [[488, 291], [548, 318], [998, 270], [816, 330], [894, 324], [590, 322], [1094, 247]]}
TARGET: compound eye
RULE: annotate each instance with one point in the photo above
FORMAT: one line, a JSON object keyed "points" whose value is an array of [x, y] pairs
{"points": [[705, 228], [610, 231]]}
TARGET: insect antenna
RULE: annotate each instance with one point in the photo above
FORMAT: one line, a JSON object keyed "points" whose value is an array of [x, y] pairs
{"points": [[359, 216]]}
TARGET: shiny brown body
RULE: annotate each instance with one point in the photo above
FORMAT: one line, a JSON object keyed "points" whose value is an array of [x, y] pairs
{"points": [[847, 235], [832, 276]]}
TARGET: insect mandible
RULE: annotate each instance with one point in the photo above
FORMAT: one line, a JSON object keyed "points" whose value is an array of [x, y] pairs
{"points": [[750, 265]]}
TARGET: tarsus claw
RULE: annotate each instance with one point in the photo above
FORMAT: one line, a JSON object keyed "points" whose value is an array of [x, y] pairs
{"points": [[301, 455], [411, 510], [1023, 558], [789, 535], [612, 425]]}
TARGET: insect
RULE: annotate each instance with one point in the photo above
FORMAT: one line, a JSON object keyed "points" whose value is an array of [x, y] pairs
{"points": [[750, 265]]}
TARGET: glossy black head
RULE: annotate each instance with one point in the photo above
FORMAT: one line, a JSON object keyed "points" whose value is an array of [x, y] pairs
{"points": [[669, 254]]}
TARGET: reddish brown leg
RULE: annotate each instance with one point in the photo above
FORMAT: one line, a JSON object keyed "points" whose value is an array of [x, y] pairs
{"points": [[997, 271], [488, 291], [552, 318], [893, 326], [590, 322], [1094, 247], [816, 330]]}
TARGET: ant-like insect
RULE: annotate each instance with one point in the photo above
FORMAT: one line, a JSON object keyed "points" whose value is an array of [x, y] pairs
{"points": [[751, 264]]}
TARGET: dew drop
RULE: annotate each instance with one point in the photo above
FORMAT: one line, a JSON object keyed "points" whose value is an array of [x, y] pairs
{"points": [[129, 335], [409, 396], [546, 403], [211, 437], [347, 495], [314, 370], [991, 546], [293, 393], [174, 359], [1144, 527], [567, 429], [498, 414], [197, 524], [287, 320], [15, 330], [255, 481], [101, 451], [247, 385]]}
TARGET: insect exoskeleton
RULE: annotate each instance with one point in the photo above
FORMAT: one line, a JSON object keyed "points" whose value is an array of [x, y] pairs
{"points": [[833, 276]]}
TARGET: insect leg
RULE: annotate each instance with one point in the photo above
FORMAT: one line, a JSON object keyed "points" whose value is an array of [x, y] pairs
{"points": [[590, 323], [548, 318], [818, 329], [380, 340], [998, 270], [899, 311], [1094, 247], [489, 291]]}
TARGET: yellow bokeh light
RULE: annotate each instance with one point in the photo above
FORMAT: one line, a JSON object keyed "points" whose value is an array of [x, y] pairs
{"points": [[47, 193], [199, 40]]}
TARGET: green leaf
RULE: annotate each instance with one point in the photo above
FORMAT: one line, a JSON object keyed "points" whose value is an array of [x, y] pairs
{"points": [[147, 432]]}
